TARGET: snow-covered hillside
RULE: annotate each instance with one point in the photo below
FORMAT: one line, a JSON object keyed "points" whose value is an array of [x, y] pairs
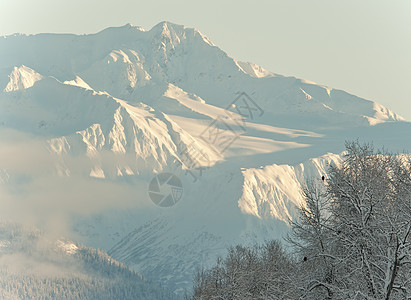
{"points": [[33, 266], [87, 121]]}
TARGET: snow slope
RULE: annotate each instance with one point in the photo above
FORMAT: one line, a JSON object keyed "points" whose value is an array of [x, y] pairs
{"points": [[244, 206], [113, 109]]}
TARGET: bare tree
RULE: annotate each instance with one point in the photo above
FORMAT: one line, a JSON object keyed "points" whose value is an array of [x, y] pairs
{"points": [[351, 241], [259, 272], [354, 232]]}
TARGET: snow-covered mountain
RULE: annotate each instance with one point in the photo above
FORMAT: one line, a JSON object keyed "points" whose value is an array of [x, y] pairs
{"points": [[98, 116]]}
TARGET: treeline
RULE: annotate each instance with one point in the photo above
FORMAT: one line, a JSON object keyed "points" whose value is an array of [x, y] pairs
{"points": [[33, 267], [74, 286], [352, 240], [259, 272]]}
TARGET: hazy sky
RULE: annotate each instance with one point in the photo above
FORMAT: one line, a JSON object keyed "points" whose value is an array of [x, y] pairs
{"points": [[361, 46]]}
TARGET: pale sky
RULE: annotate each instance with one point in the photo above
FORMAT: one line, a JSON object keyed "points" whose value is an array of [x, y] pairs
{"points": [[361, 46]]}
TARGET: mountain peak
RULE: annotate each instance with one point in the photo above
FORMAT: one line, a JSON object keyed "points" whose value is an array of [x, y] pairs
{"points": [[22, 78], [167, 25], [169, 30], [176, 32]]}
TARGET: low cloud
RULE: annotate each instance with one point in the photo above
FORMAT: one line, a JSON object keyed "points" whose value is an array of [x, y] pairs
{"points": [[32, 192]]}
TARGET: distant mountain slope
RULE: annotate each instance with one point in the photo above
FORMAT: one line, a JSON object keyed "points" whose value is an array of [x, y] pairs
{"points": [[34, 267]]}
